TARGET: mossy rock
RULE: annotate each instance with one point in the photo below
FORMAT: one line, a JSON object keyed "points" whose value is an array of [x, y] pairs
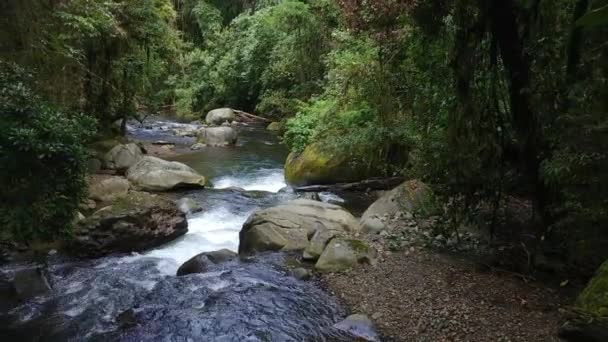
{"points": [[594, 298], [342, 254], [319, 165]]}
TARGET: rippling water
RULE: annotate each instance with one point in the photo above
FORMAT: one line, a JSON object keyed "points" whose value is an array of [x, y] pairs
{"points": [[138, 297]]}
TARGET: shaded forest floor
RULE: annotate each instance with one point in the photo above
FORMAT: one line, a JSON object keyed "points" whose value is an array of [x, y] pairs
{"points": [[420, 295]]}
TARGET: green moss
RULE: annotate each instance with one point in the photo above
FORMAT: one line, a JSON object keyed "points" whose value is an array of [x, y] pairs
{"points": [[594, 298], [358, 246], [319, 165]]}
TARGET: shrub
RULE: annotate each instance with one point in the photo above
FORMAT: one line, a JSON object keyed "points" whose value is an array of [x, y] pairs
{"points": [[42, 162]]}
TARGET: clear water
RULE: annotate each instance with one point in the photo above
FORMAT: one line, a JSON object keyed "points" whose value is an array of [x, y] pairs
{"points": [[138, 297]]}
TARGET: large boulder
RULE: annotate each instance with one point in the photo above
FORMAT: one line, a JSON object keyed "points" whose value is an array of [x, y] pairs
{"points": [[155, 174], [592, 306], [408, 197], [122, 156], [204, 261], [30, 282], [217, 136], [319, 165], [342, 254], [219, 116], [107, 188], [290, 226], [133, 223]]}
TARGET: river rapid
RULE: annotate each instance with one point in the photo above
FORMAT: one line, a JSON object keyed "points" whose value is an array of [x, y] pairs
{"points": [[137, 297]]}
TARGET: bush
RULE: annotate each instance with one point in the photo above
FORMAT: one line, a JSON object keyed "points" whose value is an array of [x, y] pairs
{"points": [[42, 162]]}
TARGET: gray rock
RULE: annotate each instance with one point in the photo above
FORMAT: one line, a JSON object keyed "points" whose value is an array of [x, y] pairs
{"points": [[197, 146], [202, 262], [289, 226], [155, 174], [132, 223], [217, 136], [360, 327], [372, 225], [107, 188], [402, 200], [301, 273], [342, 254], [318, 242], [30, 282], [219, 116], [123, 156]]}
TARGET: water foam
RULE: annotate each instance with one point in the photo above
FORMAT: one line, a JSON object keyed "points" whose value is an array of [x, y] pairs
{"points": [[271, 180]]}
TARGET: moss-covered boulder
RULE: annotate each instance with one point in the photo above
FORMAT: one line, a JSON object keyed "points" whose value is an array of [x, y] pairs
{"points": [[319, 165], [342, 254], [594, 298]]}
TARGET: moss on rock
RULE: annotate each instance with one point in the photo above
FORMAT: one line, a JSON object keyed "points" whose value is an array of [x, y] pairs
{"points": [[594, 298], [319, 165]]}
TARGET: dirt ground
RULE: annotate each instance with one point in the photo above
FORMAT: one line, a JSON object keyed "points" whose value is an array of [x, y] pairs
{"points": [[422, 295]]}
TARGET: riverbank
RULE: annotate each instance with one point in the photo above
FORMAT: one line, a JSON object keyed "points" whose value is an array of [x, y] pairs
{"points": [[422, 295]]}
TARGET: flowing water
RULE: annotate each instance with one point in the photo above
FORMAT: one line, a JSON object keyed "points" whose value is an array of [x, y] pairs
{"points": [[138, 297]]}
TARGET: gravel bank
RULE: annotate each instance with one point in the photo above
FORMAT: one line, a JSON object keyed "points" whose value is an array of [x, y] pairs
{"points": [[419, 295]]}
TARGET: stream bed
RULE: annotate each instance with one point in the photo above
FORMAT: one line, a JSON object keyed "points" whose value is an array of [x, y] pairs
{"points": [[137, 297]]}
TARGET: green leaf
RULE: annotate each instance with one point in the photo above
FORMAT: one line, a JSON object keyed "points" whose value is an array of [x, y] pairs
{"points": [[596, 17]]}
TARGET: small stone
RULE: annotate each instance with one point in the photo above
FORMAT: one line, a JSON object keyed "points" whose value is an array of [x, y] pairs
{"points": [[301, 273]]}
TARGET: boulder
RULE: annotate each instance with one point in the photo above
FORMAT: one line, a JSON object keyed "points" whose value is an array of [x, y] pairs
{"points": [[219, 116], [592, 307], [360, 327], [318, 242], [30, 282], [217, 136], [107, 188], [594, 298], [301, 273], [319, 165], [122, 156], [155, 174], [408, 197], [202, 262], [290, 226], [133, 223], [342, 254]]}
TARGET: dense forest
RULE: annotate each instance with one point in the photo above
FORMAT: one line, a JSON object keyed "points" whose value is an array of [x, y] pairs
{"points": [[500, 106]]}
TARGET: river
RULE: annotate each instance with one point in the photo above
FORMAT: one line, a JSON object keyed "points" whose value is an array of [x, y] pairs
{"points": [[137, 297]]}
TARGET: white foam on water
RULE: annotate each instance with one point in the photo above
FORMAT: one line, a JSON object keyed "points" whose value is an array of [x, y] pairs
{"points": [[271, 180], [215, 229], [329, 197]]}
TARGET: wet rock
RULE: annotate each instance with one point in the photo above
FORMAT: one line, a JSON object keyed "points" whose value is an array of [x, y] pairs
{"points": [[217, 136], [289, 226], [404, 199], [30, 282], [202, 262], [197, 146], [219, 116], [360, 327], [188, 206], [301, 273], [122, 156], [155, 174], [582, 331], [133, 223], [342, 254], [107, 188]]}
